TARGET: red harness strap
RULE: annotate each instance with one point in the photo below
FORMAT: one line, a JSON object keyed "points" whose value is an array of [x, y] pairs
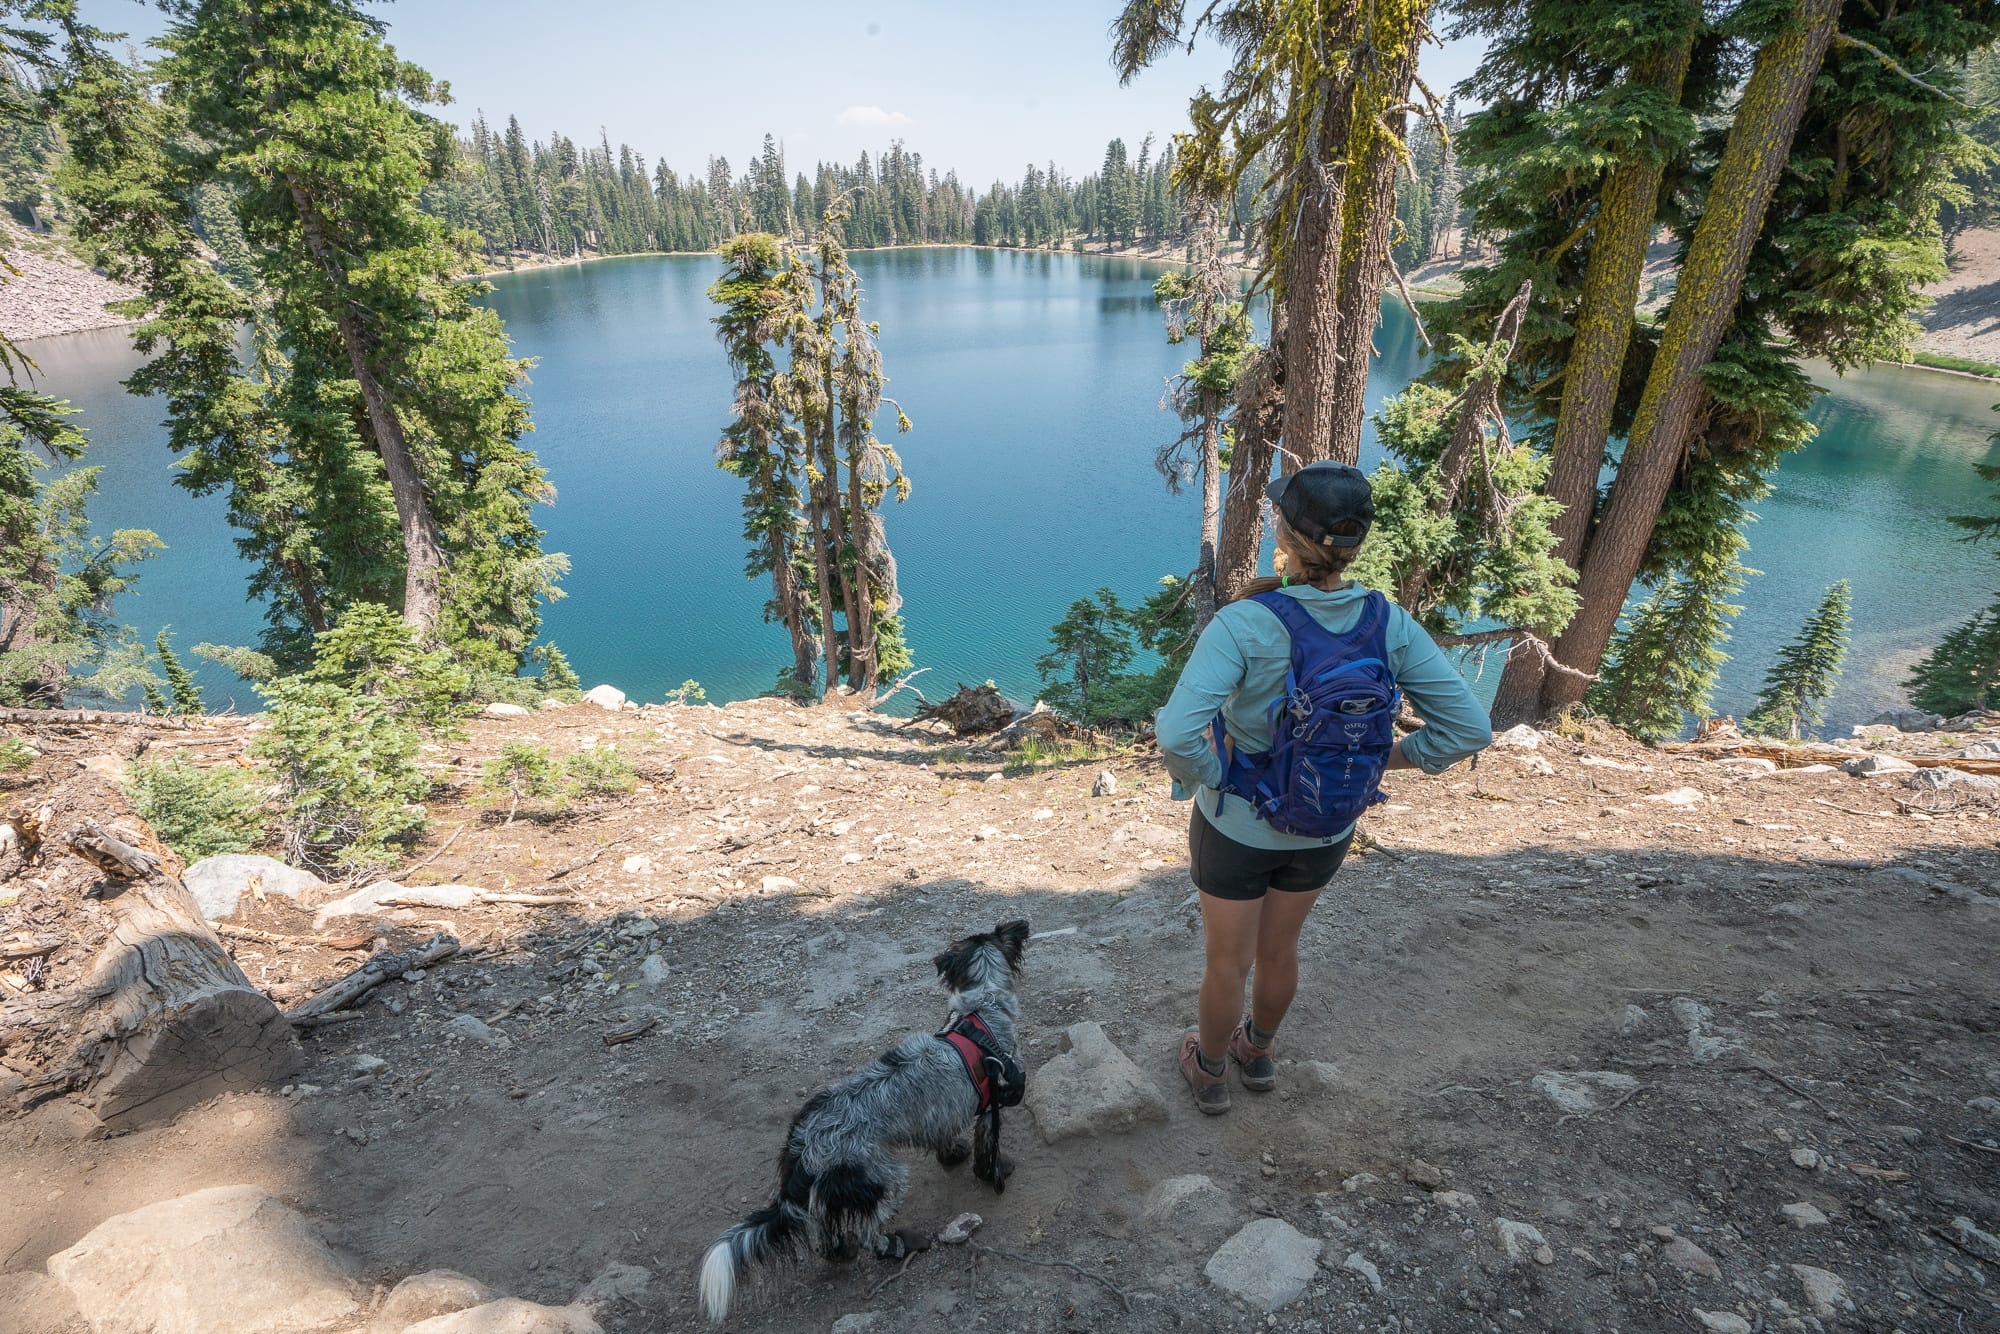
{"points": [[975, 1059]]}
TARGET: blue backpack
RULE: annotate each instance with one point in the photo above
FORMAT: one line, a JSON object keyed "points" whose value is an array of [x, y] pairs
{"points": [[1332, 731]]}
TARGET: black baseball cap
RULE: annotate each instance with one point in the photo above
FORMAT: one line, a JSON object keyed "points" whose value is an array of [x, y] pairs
{"points": [[1328, 503]]}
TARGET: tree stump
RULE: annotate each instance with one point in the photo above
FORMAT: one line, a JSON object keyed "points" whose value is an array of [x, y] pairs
{"points": [[112, 986], [972, 711]]}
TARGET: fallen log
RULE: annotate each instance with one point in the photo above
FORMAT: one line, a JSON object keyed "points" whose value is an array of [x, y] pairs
{"points": [[370, 975], [1795, 757], [135, 1006]]}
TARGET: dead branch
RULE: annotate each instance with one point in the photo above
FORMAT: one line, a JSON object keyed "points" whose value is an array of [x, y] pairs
{"points": [[1404, 287], [1889, 63], [370, 975], [560, 872], [256, 937], [111, 855], [1124, 1298], [443, 848], [483, 896]]}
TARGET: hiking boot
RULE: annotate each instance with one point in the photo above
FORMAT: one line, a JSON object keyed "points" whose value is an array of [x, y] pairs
{"points": [[1211, 1092], [1260, 1073]]}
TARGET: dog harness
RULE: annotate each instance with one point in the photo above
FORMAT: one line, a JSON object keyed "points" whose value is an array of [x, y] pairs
{"points": [[996, 1076]]}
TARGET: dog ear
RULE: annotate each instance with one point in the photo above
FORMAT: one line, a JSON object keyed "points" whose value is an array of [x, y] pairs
{"points": [[950, 965], [1013, 938]]}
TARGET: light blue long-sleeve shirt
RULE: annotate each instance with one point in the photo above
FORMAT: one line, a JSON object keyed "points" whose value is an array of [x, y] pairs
{"points": [[1238, 668]]}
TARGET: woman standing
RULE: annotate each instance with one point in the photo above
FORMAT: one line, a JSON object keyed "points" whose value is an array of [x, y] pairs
{"points": [[1258, 881]]}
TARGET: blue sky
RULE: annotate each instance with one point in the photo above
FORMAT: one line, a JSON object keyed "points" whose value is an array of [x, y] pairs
{"points": [[980, 89]]}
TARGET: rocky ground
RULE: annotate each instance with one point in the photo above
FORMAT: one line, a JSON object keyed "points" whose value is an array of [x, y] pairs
{"points": [[51, 292], [1594, 1037]]}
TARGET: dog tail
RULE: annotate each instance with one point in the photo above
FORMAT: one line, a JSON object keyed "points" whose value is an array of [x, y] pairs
{"points": [[772, 1231]]}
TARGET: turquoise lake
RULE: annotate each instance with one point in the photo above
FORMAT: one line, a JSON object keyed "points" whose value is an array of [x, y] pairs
{"points": [[1033, 382]]}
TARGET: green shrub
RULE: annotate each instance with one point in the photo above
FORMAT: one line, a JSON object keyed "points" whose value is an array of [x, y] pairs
{"points": [[15, 755], [198, 812], [373, 654], [345, 769], [687, 692], [559, 679], [601, 772], [522, 771]]}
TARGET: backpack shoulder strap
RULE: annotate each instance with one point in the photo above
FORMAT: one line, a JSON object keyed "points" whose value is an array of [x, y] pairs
{"points": [[1306, 631]]}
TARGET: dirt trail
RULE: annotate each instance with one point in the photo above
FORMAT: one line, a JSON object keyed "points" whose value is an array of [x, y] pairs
{"points": [[795, 870]]}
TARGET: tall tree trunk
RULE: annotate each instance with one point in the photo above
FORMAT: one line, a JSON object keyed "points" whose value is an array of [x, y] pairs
{"points": [[1311, 304], [1627, 213], [423, 555], [837, 525], [1258, 420], [1211, 520], [1711, 280], [791, 606], [816, 508], [1367, 214], [861, 629]]}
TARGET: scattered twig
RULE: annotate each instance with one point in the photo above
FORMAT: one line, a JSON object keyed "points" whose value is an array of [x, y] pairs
{"points": [[1776, 1078], [1124, 1298], [252, 934], [899, 687], [893, 1277], [1849, 810], [329, 1018], [1373, 844], [443, 848], [587, 861], [483, 896], [1974, 1145], [638, 1028], [1410, 301]]}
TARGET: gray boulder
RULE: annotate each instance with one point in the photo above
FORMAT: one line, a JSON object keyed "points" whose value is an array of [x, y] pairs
{"points": [[1268, 1264], [229, 1258], [1092, 1088], [1870, 766], [605, 697], [500, 708], [1582, 1091], [219, 883], [1941, 779], [1825, 1291], [1907, 720]]}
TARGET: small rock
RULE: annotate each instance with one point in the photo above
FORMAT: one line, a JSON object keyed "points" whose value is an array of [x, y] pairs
{"points": [[1680, 796], [1519, 737], [467, 1026], [511, 1315], [1455, 1200], [1268, 1264], [1578, 1092], [1803, 1215], [1983, 1103], [1421, 1173], [1753, 766], [857, 1323], [960, 1229], [1091, 1089], [1106, 784], [1519, 1241], [367, 1065], [615, 1282], [1689, 1258], [1536, 765], [1826, 1292], [1808, 1159], [500, 708], [1359, 1181], [985, 833], [1191, 1213], [781, 884], [637, 864], [1977, 1241], [218, 884], [605, 697], [229, 1258], [1604, 762], [1323, 1076], [1722, 1322], [653, 972], [1938, 780], [1357, 1263], [434, 1293], [1633, 1021], [1869, 766]]}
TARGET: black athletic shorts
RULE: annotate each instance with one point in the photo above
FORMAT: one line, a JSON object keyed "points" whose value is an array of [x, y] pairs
{"points": [[1227, 869]]}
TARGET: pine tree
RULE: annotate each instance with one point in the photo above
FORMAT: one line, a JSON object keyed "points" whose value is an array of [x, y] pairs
{"points": [[1963, 671], [1665, 659], [185, 694], [1806, 671], [1088, 647]]}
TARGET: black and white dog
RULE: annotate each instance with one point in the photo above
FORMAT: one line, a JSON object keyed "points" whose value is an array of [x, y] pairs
{"points": [[839, 1180]]}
